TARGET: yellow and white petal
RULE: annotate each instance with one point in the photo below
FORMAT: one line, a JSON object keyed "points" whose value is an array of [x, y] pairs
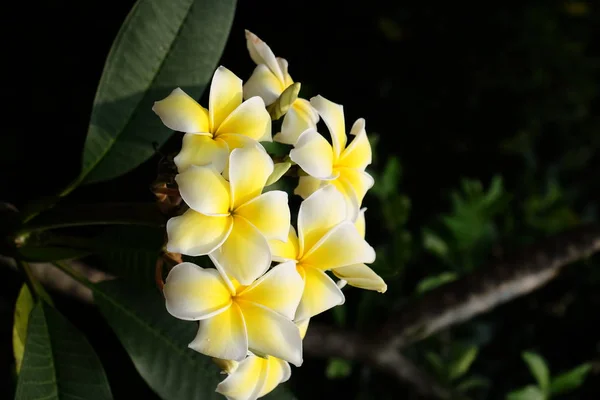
{"points": [[227, 366], [247, 381], [263, 83], [333, 115], [361, 276], [195, 234], [201, 150], [193, 293], [270, 213], [278, 371], [280, 289], [178, 111], [313, 153], [250, 119], [223, 335], [261, 53], [341, 246], [235, 141], [358, 153], [303, 326], [285, 251], [360, 222], [225, 96], [249, 169], [307, 185], [353, 184], [320, 294], [270, 333], [283, 64], [245, 254], [204, 190], [318, 214], [300, 117]]}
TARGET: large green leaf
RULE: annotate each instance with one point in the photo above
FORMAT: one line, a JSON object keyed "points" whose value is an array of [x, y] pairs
{"points": [[161, 45], [158, 343], [59, 363], [22, 310]]}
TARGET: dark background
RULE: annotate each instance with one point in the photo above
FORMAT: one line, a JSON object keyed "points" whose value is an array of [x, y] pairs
{"points": [[451, 91]]}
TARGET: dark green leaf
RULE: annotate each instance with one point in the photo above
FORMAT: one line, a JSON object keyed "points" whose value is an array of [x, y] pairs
{"points": [[539, 369], [161, 45], [158, 343], [472, 383], [462, 362], [338, 368], [527, 393], [437, 365], [23, 308], [59, 363], [432, 282], [569, 380]]}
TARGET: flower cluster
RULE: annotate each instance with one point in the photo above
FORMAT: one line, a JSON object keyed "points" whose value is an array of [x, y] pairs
{"points": [[253, 316]]}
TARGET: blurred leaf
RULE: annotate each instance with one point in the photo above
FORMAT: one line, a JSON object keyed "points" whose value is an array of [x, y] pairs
{"points": [[50, 253], [161, 45], [158, 342], [338, 368], [434, 244], [539, 369], [462, 362], [280, 169], [437, 365], [472, 383], [569, 380], [527, 393], [433, 282], [59, 363], [23, 308], [386, 183]]}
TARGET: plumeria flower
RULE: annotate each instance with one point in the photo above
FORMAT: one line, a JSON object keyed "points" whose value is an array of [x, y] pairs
{"points": [[255, 376], [211, 134], [235, 319], [343, 166], [326, 240], [360, 275], [232, 217], [269, 79]]}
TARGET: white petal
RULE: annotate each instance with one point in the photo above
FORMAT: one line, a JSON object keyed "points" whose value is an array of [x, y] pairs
{"points": [[300, 117], [204, 190], [225, 96], [261, 53], [247, 381], [180, 112], [193, 293], [223, 335], [195, 234], [333, 115], [283, 338], [320, 212], [320, 294], [280, 289], [263, 83], [278, 371], [313, 154], [341, 246]]}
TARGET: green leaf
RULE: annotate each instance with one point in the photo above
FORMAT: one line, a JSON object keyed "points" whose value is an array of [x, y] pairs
{"points": [[280, 169], [160, 46], [462, 362], [435, 244], [569, 380], [432, 282], [539, 369], [59, 363], [158, 343], [338, 368], [23, 308], [527, 393], [437, 365], [472, 383]]}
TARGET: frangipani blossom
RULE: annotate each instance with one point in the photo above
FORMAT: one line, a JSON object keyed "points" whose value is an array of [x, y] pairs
{"points": [[343, 166], [269, 79], [360, 275], [326, 240], [255, 376], [211, 134], [231, 218], [234, 318]]}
